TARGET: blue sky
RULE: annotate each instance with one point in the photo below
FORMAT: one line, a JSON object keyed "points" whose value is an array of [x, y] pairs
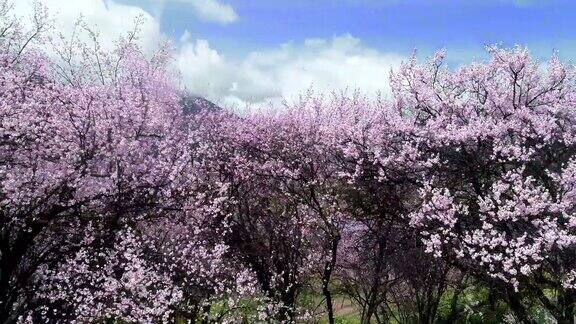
{"points": [[462, 27], [252, 52]]}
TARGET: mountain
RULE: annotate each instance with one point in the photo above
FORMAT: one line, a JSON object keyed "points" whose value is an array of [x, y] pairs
{"points": [[194, 104]]}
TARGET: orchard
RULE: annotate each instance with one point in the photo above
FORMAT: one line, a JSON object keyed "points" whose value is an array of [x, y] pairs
{"points": [[453, 199]]}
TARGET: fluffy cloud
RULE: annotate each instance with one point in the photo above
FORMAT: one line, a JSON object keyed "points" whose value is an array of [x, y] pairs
{"points": [[113, 19], [323, 65], [109, 18], [212, 10], [206, 10], [263, 76]]}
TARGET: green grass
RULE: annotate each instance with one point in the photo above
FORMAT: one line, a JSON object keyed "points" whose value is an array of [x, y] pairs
{"points": [[473, 308]]}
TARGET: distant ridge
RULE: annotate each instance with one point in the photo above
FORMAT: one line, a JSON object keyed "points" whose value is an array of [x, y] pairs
{"points": [[193, 104]]}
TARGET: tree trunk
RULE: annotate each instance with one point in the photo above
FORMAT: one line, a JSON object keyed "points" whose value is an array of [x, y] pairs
{"points": [[328, 269], [206, 314], [373, 299], [518, 308], [567, 314], [454, 302]]}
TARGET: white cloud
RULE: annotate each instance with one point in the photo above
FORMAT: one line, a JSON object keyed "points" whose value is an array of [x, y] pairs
{"points": [[211, 10], [337, 63], [185, 37], [110, 19], [340, 63]]}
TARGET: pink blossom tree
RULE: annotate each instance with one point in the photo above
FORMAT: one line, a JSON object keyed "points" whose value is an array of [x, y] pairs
{"points": [[74, 156], [494, 144]]}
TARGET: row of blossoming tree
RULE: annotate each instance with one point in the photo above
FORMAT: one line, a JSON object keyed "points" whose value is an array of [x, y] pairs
{"points": [[118, 204]]}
